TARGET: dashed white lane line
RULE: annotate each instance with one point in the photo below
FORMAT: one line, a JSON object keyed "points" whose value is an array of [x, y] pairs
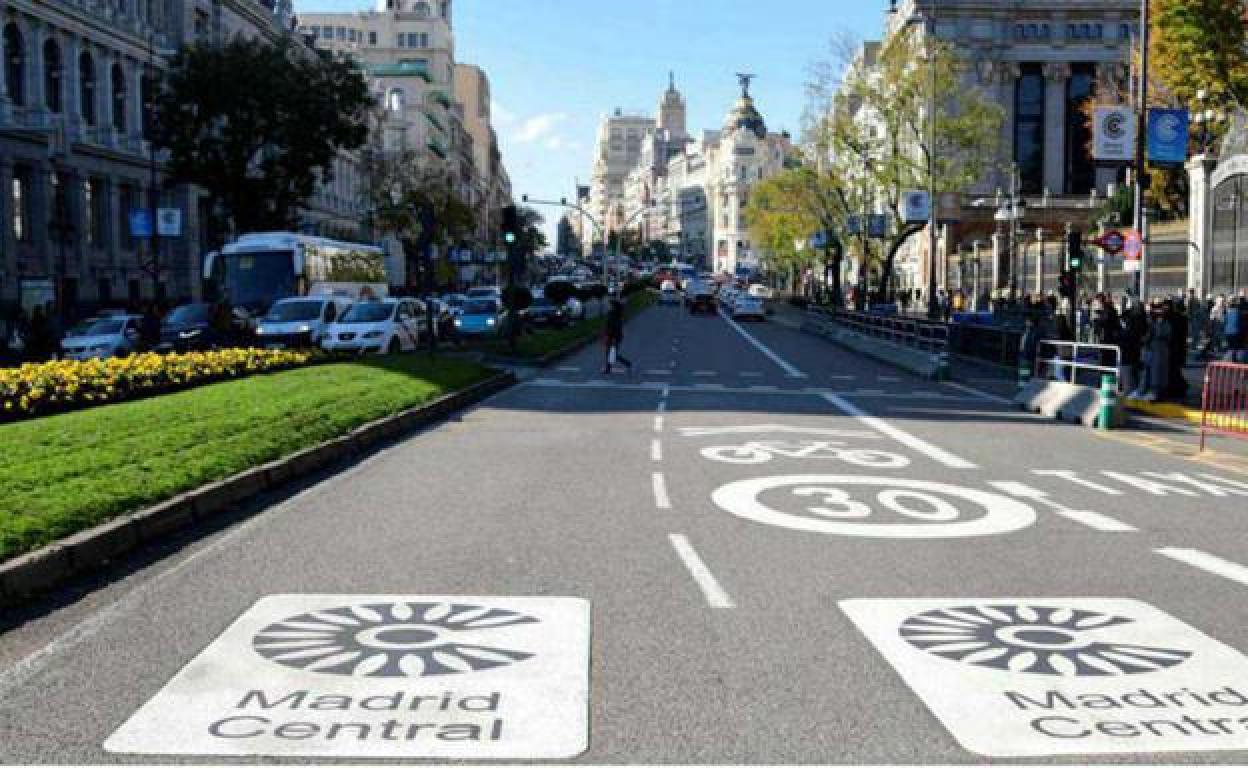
{"points": [[715, 594], [704, 373], [656, 450], [658, 424], [661, 500], [1090, 519], [886, 378], [658, 372], [569, 368], [941, 456], [977, 392], [749, 375], [1208, 562], [789, 369]]}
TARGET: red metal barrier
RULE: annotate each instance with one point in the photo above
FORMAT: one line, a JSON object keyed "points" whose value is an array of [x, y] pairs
{"points": [[1224, 403]]}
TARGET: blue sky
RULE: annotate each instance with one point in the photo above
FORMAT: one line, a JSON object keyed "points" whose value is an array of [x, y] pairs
{"points": [[557, 65]]}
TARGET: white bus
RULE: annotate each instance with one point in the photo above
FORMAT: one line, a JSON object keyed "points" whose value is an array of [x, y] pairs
{"points": [[260, 268]]}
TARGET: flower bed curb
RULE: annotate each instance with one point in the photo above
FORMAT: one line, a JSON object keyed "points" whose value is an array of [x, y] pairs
{"points": [[31, 574]]}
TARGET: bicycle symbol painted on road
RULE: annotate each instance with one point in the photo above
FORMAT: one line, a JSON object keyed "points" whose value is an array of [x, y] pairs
{"points": [[757, 452]]}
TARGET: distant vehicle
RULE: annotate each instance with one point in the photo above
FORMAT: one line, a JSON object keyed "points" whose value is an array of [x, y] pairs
{"points": [[258, 269], [103, 338], [454, 302], [190, 327], [745, 306], [485, 292], [377, 326], [760, 291], [297, 322], [481, 317], [543, 312], [668, 293], [699, 298], [574, 308]]}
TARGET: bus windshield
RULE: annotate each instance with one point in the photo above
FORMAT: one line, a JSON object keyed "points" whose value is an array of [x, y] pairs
{"points": [[255, 280]]}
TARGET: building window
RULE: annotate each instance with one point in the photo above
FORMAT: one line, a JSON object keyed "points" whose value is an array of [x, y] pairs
{"points": [[402, 40], [1029, 127], [21, 204], [1080, 166], [421, 10], [1124, 31], [53, 76], [15, 64], [119, 97], [86, 88], [395, 100], [372, 37]]}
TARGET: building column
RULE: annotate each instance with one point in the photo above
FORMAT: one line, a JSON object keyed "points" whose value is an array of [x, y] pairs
{"points": [[34, 68], [1007, 85], [1200, 223], [1055, 77], [103, 95], [41, 216], [70, 79]]}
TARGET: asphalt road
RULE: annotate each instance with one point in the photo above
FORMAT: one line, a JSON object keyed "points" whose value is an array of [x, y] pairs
{"points": [[716, 506]]}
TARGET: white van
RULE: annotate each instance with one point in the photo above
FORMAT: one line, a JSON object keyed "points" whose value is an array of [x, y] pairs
{"points": [[300, 322]]}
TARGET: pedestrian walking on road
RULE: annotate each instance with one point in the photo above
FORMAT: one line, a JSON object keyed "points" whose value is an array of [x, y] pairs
{"points": [[613, 338]]}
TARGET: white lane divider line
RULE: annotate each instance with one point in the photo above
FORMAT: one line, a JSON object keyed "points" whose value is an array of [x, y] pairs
{"points": [[789, 369], [715, 594], [941, 456], [704, 373], [658, 372], [1208, 562], [1090, 519], [658, 424], [749, 375], [886, 378], [656, 450], [569, 368], [980, 393], [842, 376], [661, 500]]}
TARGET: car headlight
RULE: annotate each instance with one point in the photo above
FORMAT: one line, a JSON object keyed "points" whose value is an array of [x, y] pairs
{"points": [[190, 333], [374, 334], [261, 330], [304, 328], [459, 322], [489, 322]]}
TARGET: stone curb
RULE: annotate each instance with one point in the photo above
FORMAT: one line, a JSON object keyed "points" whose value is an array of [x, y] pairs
{"points": [[31, 574]]}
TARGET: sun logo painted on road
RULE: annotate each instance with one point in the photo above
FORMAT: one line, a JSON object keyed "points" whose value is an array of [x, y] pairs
{"points": [[403, 639], [1057, 641]]}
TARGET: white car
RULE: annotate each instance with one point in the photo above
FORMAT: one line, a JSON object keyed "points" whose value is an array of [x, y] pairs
{"points": [[745, 306], [299, 321], [760, 291], [380, 326], [668, 293], [103, 338]]}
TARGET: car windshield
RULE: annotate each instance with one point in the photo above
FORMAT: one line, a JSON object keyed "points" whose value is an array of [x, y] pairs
{"points": [[480, 307], [368, 312], [307, 310], [189, 314], [108, 326]]}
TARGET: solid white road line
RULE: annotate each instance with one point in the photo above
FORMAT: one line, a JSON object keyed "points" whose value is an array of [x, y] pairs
{"points": [[661, 500], [656, 450], [569, 368], [750, 375], [715, 595], [977, 392], [886, 378], [947, 459], [704, 373], [789, 369], [1208, 562]]}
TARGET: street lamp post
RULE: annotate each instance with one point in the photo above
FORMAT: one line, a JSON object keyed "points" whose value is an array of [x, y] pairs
{"points": [[1040, 261], [933, 308]]}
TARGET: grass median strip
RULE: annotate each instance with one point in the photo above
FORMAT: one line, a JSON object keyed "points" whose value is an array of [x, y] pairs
{"points": [[64, 473]]}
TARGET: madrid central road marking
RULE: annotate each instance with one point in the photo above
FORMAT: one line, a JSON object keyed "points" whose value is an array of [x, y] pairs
{"points": [[1097, 521], [1045, 677], [438, 677]]}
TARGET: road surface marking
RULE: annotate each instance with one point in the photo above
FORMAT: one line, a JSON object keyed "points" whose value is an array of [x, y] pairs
{"points": [[1035, 677], [789, 369], [667, 391], [715, 594], [710, 386], [925, 393], [941, 456], [693, 432], [980, 393], [869, 392], [1092, 519], [546, 381], [1208, 562], [569, 368], [1073, 477], [661, 500], [662, 407], [749, 375], [886, 378], [598, 382], [763, 388], [353, 676], [845, 377], [847, 505], [656, 450], [704, 373], [659, 372], [658, 424]]}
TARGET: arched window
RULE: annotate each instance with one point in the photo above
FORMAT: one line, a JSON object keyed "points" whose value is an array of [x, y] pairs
{"points": [[86, 87], [53, 75], [119, 97], [1029, 127], [15, 64], [395, 100]]}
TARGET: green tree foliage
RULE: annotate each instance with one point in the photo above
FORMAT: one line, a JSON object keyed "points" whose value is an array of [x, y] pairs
{"points": [[1198, 45], [790, 207], [532, 239], [257, 124]]}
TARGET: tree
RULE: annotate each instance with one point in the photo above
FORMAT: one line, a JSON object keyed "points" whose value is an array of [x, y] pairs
{"points": [[790, 207], [532, 240], [1197, 45], [258, 124]]}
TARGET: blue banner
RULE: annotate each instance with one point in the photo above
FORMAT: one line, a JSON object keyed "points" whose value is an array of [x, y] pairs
{"points": [[140, 223], [1167, 136], [877, 225]]}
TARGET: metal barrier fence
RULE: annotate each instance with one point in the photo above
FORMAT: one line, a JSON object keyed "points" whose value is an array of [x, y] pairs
{"points": [[1066, 361], [1224, 402], [910, 332]]}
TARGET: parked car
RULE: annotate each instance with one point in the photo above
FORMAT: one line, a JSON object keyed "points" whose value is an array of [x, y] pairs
{"points": [[699, 298], [481, 318], [454, 302], [485, 292], [190, 327], [103, 338], [746, 306], [668, 293], [574, 308], [377, 326], [543, 312], [299, 321], [760, 291]]}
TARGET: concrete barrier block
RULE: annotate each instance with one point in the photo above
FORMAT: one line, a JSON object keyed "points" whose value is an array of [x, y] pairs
{"points": [[1079, 404], [212, 499], [99, 546]]}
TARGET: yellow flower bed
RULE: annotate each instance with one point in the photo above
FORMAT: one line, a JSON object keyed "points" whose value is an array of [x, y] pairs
{"points": [[54, 386]]}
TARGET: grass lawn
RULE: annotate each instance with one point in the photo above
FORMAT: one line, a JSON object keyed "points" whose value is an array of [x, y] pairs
{"points": [[545, 341], [64, 473]]}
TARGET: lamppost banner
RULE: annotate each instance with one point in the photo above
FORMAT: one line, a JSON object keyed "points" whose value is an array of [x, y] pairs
{"points": [[1113, 134], [1167, 136]]}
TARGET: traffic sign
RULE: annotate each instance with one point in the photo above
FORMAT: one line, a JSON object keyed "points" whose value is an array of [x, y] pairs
{"points": [[140, 221], [1132, 245], [1111, 242]]}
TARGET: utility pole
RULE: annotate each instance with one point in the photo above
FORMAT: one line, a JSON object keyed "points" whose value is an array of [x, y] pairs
{"points": [[1141, 143], [933, 308]]}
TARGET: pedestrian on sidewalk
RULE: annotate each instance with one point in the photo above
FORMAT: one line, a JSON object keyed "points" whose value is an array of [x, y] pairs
{"points": [[1234, 328], [613, 338], [1217, 327], [1176, 383], [1156, 355], [1195, 308], [1131, 340]]}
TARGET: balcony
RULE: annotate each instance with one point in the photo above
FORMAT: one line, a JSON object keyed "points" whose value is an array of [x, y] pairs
{"points": [[399, 70]]}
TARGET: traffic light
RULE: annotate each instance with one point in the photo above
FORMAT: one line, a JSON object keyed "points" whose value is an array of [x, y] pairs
{"points": [[1074, 250], [511, 224]]}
